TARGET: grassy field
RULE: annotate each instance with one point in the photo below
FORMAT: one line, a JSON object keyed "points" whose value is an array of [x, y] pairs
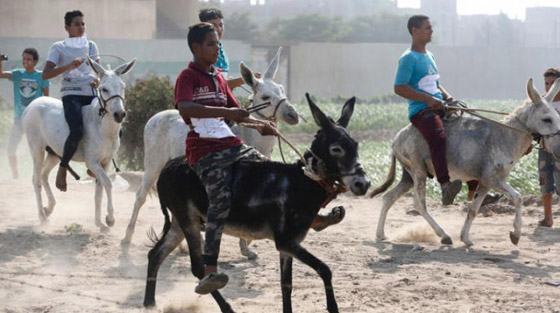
{"points": [[373, 124]]}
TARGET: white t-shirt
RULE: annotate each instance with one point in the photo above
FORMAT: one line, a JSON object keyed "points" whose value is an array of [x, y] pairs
{"points": [[76, 81]]}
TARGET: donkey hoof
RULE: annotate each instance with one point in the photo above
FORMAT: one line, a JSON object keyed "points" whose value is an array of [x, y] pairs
{"points": [[514, 238], [250, 255], [48, 211], [446, 241], [149, 303], [110, 221]]}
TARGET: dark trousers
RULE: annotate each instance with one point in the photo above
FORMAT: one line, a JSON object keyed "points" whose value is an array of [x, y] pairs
{"points": [[431, 127], [214, 171], [73, 114]]}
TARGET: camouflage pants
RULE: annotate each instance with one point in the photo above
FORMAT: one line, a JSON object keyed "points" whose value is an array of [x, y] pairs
{"points": [[214, 171]]}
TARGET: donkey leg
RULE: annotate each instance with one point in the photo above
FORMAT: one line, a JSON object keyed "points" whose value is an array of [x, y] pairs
{"points": [[100, 172], [517, 200], [389, 199], [97, 199], [420, 205], [473, 211], [168, 242], [245, 251], [286, 279], [148, 181], [49, 164], [38, 156], [191, 231], [295, 249]]}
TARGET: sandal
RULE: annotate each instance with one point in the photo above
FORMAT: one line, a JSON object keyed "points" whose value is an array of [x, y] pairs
{"points": [[211, 282], [334, 217]]}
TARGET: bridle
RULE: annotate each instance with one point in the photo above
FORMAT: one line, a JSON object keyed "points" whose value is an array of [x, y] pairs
{"points": [[271, 118], [103, 102], [331, 182]]}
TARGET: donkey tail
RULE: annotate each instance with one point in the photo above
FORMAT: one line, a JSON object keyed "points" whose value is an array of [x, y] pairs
{"points": [[388, 181], [154, 238]]}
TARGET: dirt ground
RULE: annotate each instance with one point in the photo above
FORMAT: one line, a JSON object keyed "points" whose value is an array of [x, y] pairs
{"points": [[69, 265]]}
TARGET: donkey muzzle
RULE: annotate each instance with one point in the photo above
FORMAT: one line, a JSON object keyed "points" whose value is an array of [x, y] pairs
{"points": [[119, 116]]}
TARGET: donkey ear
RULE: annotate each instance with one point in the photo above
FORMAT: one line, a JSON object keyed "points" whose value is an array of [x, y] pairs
{"points": [[553, 91], [533, 93], [96, 67], [125, 68], [247, 75], [320, 118], [347, 111], [273, 66]]}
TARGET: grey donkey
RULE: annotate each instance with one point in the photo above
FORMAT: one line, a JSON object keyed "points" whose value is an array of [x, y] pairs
{"points": [[476, 150]]}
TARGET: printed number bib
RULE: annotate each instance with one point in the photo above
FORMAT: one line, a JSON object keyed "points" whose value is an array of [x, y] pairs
{"points": [[211, 128]]}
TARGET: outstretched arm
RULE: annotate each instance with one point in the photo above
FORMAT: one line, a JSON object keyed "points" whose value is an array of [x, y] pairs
{"points": [[4, 74]]}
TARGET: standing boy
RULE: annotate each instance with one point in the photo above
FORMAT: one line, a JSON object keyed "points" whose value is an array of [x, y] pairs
{"points": [[417, 80], [67, 57], [204, 100], [549, 168], [28, 85]]}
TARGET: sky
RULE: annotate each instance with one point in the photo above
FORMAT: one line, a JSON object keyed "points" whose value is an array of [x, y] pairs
{"points": [[513, 8]]}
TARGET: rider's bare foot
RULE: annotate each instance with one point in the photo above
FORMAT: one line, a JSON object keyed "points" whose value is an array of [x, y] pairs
{"points": [[61, 178]]}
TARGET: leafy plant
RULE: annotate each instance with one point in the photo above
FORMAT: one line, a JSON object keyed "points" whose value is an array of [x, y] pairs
{"points": [[143, 100]]}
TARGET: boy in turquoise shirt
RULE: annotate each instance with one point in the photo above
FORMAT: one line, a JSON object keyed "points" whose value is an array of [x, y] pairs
{"points": [[417, 80], [28, 85]]}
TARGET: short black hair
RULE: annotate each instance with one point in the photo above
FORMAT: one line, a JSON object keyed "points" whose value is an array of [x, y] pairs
{"points": [[198, 32], [33, 52], [416, 21], [552, 72], [70, 15], [209, 14]]}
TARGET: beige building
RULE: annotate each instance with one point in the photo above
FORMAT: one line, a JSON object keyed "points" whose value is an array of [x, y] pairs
{"points": [[107, 19]]}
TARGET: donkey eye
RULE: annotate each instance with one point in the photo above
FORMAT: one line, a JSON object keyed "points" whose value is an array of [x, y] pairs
{"points": [[104, 90], [336, 150], [547, 120], [265, 98]]}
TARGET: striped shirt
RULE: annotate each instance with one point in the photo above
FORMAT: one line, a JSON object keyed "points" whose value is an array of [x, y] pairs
{"points": [[196, 84]]}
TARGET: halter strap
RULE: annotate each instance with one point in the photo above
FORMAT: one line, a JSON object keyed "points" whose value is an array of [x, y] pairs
{"points": [[272, 118], [103, 102]]}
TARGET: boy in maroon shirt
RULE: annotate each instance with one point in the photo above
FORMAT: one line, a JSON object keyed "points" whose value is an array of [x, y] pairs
{"points": [[204, 100]]}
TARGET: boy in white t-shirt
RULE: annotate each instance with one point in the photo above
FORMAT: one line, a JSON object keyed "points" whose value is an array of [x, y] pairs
{"points": [[67, 57]]}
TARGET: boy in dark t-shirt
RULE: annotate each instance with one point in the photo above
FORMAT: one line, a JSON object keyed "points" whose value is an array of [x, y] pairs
{"points": [[204, 100]]}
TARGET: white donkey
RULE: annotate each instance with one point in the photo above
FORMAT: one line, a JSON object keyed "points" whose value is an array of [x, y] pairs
{"points": [[165, 133], [45, 127], [476, 150]]}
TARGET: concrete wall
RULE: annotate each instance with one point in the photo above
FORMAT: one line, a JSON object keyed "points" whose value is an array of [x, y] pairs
{"points": [[130, 19], [162, 57], [367, 70]]}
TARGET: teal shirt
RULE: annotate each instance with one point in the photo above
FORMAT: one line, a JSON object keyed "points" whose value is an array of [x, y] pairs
{"points": [[223, 62], [418, 70], [27, 87]]}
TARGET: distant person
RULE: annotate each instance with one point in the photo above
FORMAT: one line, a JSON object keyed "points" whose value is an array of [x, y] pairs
{"points": [[28, 85], [417, 80], [549, 168], [216, 18], [67, 57]]}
